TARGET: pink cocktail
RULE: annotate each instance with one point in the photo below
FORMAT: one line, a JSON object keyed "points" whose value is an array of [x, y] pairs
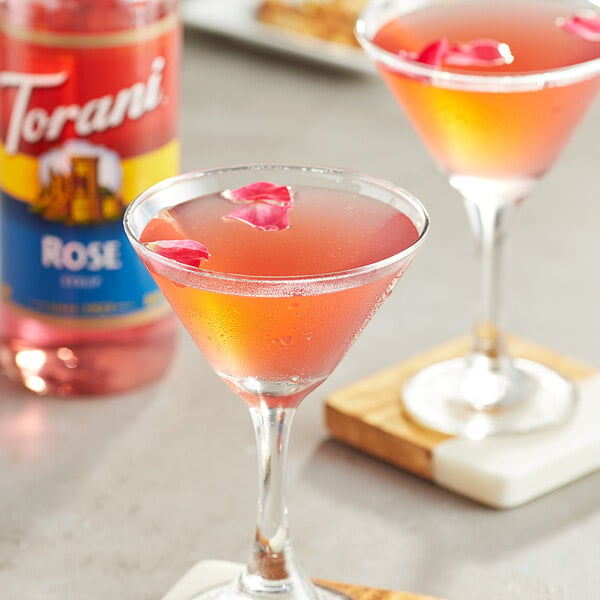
{"points": [[495, 90], [274, 299], [288, 343], [491, 132]]}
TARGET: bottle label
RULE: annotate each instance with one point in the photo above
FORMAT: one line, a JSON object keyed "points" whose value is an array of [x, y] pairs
{"points": [[87, 121]]}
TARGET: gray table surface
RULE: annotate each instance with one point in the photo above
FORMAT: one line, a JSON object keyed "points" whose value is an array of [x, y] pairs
{"points": [[121, 495]]}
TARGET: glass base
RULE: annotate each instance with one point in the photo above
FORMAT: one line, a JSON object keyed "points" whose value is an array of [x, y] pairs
{"points": [[230, 591], [526, 397]]}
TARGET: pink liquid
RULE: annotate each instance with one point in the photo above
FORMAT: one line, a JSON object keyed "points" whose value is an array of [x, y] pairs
{"points": [[486, 133], [288, 342], [64, 361]]}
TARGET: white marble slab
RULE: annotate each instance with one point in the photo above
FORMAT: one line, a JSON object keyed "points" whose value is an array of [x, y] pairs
{"points": [[203, 576], [508, 471]]}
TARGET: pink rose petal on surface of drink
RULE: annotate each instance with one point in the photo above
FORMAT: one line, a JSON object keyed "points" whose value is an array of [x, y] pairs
{"points": [[186, 252], [432, 54], [265, 205], [263, 191], [482, 52], [585, 25], [261, 215]]}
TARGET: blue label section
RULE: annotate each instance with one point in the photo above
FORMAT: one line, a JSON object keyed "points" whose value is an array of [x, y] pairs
{"points": [[72, 272]]}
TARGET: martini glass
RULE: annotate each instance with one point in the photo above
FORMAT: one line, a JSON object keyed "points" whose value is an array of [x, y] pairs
{"points": [[494, 130], [275, 311]]}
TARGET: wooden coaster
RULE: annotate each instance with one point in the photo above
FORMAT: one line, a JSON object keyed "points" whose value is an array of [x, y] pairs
{"points": [[359, 592], [368, 415], [210, 573]]}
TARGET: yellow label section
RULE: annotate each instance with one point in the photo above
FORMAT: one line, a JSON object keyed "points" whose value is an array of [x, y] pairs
{"points": [[143, 171], [19, 174]]}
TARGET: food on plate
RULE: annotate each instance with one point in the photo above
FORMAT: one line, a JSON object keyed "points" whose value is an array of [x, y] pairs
{"points": [[331, 20]]}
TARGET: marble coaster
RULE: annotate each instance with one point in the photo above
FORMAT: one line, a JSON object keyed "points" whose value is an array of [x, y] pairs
{"points": [[502, 472], [508, 471], [203, 576], [210, 573]]}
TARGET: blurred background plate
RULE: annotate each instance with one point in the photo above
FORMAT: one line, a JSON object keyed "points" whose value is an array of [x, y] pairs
{"points": [[236, 19]]}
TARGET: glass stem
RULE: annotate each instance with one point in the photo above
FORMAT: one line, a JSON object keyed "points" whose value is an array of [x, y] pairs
{"points": [[489, 221], [271, 568], [491, 379]]}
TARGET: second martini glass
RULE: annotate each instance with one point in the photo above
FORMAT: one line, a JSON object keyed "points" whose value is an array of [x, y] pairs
{"points": [[494, 89], [274, 271]]}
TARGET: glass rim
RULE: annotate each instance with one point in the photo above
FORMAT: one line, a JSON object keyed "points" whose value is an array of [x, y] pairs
{"points": [[371, 19], [279, 280]]}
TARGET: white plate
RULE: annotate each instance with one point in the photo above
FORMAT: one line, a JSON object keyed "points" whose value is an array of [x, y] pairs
{"points": [[236, 19]]}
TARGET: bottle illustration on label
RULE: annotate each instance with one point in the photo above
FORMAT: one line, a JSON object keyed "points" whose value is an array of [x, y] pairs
{"points": [[88, 120]]}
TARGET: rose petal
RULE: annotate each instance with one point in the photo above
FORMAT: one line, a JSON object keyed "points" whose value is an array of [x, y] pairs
{"points": [[266, 205], [262, 191], [585, 25], [186, 252], [262, 215], [484, 52], [432, 54]]}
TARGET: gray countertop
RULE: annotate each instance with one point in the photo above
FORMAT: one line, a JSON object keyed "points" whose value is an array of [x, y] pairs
{"points": [[119, 496]]}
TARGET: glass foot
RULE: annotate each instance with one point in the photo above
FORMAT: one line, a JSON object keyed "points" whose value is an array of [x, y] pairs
{"points": [[452, 397], [230, 592]]}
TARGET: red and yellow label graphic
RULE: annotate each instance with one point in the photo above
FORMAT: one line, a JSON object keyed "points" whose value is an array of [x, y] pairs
{"points": [[19, 175], [87, 122], [111, 92]]}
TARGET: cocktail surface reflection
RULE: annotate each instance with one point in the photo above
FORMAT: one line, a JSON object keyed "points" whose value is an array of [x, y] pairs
{"points": [[494, 89], [284, 283]]}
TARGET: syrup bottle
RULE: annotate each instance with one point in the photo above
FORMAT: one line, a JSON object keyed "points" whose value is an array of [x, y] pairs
{"points": [[88, 119]]}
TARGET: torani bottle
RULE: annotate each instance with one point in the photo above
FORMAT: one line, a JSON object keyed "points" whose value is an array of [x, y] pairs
{"points": [[88, 119]]}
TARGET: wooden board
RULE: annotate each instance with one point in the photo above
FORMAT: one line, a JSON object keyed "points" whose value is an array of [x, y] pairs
{"points": [[368, 414]]}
